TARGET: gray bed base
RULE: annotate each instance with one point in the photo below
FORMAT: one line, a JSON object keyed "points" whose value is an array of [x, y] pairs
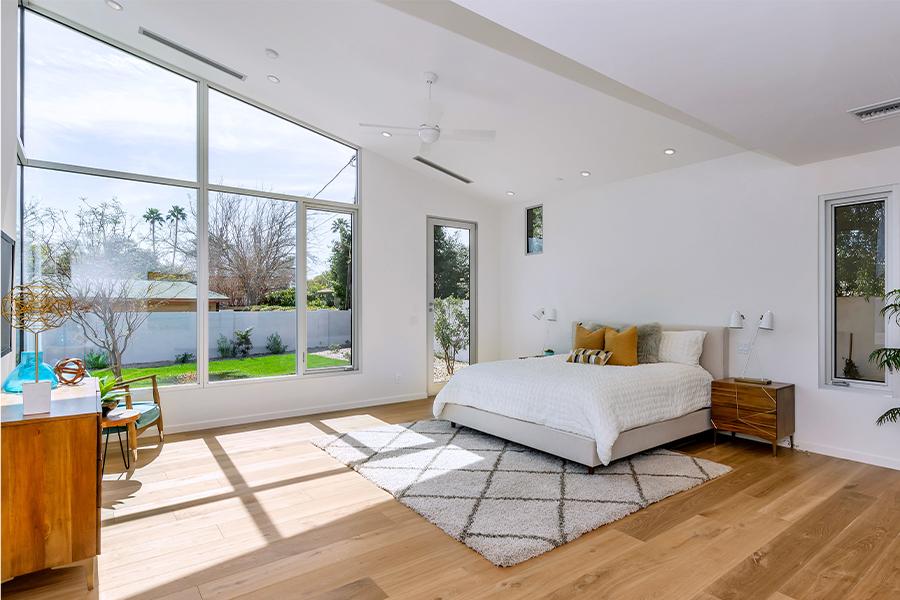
{"points": [[572, 446]]}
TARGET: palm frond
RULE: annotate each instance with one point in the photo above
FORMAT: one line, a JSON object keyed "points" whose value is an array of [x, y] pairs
{"points": [[891, 307], [886, 358], [891, 416]]}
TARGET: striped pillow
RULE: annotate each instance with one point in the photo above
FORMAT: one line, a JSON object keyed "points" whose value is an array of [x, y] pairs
{"points": [[589, 356]]}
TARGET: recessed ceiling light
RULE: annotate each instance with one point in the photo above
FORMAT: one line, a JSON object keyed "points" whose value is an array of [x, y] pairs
{"points": [[585, 173], [386, 133], [273, 78], [669, 151], [510, 193], [272, 53], [114, 5]]}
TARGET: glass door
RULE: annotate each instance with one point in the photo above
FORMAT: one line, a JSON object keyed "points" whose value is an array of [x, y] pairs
{"points": [[451, 299]]}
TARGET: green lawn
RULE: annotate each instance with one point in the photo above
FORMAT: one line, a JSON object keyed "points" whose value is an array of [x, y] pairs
{"points": [[229, 368]]}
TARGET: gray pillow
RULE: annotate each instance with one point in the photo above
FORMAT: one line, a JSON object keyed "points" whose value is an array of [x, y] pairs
{"points": [[649, 336]]}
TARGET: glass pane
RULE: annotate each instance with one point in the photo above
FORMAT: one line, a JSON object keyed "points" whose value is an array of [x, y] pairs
{"points": [[252, 287], [451, 312], [254, 149], [329, 285], [534, 230], [90, 104], [859, 267], [126, 252]]}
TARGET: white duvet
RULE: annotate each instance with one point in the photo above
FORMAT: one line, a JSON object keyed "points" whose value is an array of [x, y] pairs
{"points": [[598, 402]]}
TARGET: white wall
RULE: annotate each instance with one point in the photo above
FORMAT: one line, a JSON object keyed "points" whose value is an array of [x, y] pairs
{"points": [[690, 245]]}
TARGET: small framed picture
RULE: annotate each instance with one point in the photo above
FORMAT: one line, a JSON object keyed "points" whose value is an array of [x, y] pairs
{"points": [[534, 229]]}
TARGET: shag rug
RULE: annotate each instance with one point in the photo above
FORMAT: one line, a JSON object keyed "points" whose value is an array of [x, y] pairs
{"points": [[507, 502]]}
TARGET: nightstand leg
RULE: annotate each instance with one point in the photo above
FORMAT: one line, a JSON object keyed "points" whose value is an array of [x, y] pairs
{"points": [[715, 431], [774, 448], [792, 441]]}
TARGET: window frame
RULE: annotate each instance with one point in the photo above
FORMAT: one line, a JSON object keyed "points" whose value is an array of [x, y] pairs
{"points": [[527, 210], [890, 195], [202, 186]]}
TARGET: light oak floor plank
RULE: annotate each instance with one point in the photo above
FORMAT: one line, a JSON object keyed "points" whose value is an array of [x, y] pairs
{"points": [[256, 511]]}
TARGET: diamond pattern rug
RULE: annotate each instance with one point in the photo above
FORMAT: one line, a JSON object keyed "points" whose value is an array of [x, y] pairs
{"points": [[507, 502]]}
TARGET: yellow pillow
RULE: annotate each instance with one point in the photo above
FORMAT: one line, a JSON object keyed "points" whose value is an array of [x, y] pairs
{"points": [[623, 345], [587, 339]]}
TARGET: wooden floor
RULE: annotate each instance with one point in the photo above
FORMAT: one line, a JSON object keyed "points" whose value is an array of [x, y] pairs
{"points": [[257, 512]]}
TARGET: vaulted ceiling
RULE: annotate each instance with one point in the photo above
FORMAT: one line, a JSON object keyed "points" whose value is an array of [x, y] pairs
{"points": [[601, 86]]}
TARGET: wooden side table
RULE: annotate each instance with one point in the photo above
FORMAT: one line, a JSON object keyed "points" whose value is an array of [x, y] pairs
{"points": [[763, 411], [122, 418]]}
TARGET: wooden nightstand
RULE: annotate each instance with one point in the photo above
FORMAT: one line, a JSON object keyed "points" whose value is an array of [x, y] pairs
{"points": [[763, 411]]}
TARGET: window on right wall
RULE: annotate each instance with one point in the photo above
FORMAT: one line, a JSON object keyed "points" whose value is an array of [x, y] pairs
{"points": [[860, 259]]}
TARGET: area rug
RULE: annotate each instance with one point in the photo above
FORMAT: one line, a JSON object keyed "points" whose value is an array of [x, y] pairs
{"points": [[507, 502]]}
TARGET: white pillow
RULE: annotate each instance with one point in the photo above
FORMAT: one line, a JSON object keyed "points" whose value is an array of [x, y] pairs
{"points": [[682, 347]]}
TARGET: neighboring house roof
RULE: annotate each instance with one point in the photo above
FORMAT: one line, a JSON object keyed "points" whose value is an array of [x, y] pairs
{"points": [[143, 289]]}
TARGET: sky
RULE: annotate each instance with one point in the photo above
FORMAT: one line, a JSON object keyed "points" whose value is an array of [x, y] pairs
{"points": [[89, 104]]}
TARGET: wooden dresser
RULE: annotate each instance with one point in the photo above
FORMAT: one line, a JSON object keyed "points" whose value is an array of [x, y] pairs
{"points": [[763, 411], [51, 484]]}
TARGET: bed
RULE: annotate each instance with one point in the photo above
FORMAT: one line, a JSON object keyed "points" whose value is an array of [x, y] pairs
{"points": [[585, 413]]}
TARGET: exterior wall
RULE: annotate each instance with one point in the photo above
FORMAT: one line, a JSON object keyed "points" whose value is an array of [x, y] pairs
{"points": [[165, 334]]}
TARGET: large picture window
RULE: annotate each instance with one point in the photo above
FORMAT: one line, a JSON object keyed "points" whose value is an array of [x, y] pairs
{"points": [[859, 232], [179, 267]]}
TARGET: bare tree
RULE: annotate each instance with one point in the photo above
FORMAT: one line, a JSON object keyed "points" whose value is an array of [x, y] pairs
{"points": [[96, 258], [252, 245]]}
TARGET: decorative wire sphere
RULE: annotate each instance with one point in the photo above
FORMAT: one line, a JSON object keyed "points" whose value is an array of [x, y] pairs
{"points": [[70, 371], [37, 307]]}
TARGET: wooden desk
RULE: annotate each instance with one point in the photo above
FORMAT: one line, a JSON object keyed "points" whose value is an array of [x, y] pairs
{"points": [[51, 483]]}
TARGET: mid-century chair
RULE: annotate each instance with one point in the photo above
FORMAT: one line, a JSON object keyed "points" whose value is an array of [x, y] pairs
{"points": [[151, 412]]}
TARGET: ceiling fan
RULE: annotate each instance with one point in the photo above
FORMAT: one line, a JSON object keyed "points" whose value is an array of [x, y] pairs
{"points": [[430, 131]]}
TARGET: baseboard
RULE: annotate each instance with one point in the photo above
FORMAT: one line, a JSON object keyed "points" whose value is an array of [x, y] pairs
{"points": [[871, 459], [298, 412]]}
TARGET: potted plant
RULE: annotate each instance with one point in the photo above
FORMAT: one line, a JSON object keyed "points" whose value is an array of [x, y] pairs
{"points": [[889, 358], [109, 396]]}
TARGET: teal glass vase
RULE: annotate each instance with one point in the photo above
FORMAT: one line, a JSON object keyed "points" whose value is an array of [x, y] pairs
{"points": [[24, 373]]}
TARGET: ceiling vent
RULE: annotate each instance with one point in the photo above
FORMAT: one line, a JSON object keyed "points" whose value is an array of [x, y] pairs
{"points": [[882, 110], [187, 51], [443, 170]]}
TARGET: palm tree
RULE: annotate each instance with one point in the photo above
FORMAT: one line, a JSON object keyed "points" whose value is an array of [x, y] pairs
{"points": [[175, 214], [154, 217], [889, 358]]}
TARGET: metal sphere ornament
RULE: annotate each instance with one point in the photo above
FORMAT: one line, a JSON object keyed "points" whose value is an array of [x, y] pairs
{"points": [[70, 371]]}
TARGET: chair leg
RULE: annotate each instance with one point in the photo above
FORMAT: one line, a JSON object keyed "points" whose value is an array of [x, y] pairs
{"points": [[159, 427], [132, 441]]}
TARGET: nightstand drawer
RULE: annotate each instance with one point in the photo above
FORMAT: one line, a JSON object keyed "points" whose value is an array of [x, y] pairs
{"points": [[750, 401], [766, 432], [737, 414]]}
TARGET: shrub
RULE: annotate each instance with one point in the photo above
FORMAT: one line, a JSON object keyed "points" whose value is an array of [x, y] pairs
{"points": [[184, 358], [285, 297], [94, 360], [274, 344], [451, 328], [241, 343], [224, 347]]}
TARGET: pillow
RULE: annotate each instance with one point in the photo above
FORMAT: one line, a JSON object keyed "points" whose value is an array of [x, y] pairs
{"points": [[588, 356], [649, 336], [587, 339], [682, 347], [623, 345]]}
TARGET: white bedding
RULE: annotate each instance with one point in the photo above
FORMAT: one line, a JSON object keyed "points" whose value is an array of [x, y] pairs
{"points": [[589, 400]]}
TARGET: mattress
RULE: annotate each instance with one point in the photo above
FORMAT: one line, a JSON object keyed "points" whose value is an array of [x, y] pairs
{"points": [[598, 402]]}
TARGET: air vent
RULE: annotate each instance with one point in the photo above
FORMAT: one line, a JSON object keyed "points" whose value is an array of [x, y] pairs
{"points": [[187, 51], [882, 110], [443, 170]]}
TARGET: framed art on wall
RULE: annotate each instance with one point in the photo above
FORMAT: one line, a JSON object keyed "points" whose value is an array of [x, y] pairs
{"points": [[534, 229]]}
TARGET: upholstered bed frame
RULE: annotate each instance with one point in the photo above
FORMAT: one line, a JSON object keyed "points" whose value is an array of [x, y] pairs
{"points": [[582, 449]]}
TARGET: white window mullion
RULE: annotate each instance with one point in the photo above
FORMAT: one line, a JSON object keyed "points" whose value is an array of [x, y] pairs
{"points": [[202, 234], [301, 289]]}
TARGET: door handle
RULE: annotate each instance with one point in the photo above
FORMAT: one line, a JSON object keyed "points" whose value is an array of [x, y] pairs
{"points": [[431, 307]]}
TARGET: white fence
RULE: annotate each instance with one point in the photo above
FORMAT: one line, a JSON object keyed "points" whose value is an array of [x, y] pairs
{"points": [[164, 335]]}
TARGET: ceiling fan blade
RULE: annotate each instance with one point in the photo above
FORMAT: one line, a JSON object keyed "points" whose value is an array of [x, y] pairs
{"points": [[390, 128], [469, 135]]}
